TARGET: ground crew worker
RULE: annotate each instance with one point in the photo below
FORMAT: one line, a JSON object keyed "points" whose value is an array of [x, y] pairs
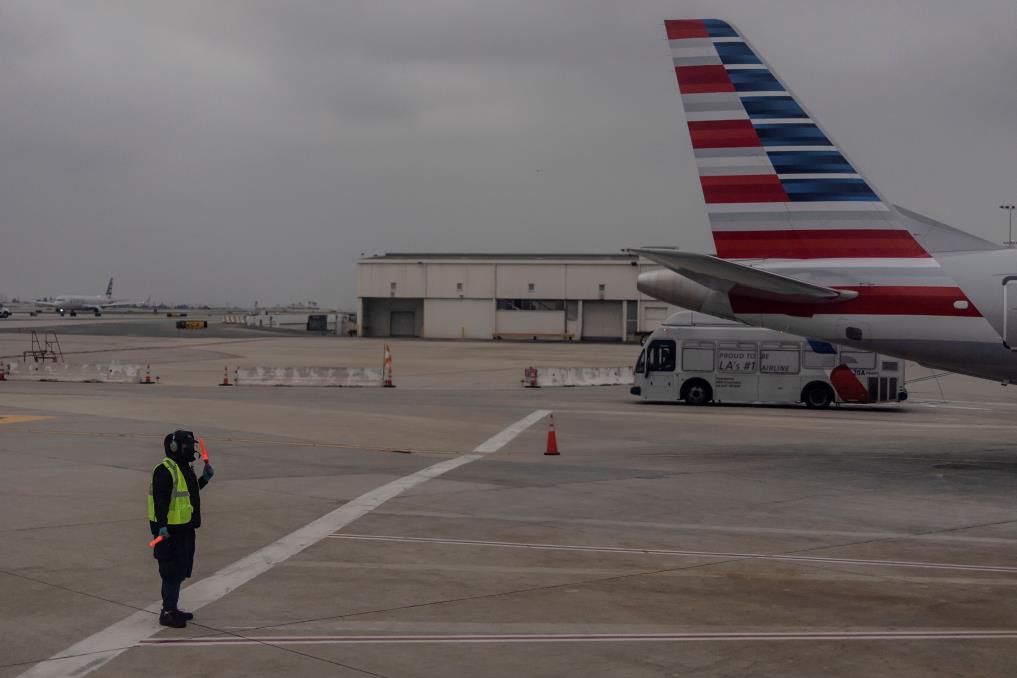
{"points": [[174, 513]]}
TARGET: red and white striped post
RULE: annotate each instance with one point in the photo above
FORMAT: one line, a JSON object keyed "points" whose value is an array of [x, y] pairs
{"points": [[387, 369]]}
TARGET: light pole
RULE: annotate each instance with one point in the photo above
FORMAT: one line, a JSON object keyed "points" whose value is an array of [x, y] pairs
{"points": [[1009, 208]]}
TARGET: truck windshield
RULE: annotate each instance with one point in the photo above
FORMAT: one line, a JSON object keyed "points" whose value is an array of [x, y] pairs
{"points": [[661, 356]]}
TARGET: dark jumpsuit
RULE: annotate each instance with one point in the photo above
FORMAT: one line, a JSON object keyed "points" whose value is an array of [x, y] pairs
{"points": [[176, 554]]}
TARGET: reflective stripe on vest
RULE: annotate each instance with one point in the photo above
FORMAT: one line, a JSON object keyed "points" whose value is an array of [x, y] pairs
{"points": [[180, 508]]}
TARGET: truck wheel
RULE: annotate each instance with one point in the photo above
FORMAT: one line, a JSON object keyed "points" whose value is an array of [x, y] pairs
{"points": [[696, 392], [817, 396]]}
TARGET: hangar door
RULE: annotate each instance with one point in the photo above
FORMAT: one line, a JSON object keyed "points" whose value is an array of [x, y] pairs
{"points": [[602, 320], [391, 317], [653, 317], [403, 324]]}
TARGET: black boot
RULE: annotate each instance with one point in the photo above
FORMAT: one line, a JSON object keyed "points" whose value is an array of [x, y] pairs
{"points": [[186, 616], [172, 619]]}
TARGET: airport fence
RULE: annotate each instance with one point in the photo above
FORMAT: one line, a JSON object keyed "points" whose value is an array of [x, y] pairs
{"points": [[87, 372]]}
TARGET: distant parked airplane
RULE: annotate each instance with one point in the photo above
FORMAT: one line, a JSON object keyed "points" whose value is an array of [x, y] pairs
{"points": [[73, 303], [805, 244]]}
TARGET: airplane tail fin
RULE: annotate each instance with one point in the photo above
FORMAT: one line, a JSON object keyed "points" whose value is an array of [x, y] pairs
{"points": [[109, 289], [776, 185]]}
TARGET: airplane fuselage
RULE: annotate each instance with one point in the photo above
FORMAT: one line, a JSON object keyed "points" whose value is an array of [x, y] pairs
{"points": [[69, 303], [72, 304]]}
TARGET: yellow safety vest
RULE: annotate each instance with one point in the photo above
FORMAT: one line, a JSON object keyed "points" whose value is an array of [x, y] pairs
{"points": [[180, 508]]}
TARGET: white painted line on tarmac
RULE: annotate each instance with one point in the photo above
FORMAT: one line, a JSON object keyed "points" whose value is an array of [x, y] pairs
{"points": [[685, 554], [734, 529], [983, 403], [941, 406], [989, 634], [98, 649]]}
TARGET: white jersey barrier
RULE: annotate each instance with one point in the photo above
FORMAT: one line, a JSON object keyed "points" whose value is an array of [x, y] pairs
{"points": [[536, 377], [89, 372], [309, 376]]}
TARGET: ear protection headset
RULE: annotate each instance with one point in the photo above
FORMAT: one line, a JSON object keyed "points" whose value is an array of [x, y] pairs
{"points": [[174, 446]]}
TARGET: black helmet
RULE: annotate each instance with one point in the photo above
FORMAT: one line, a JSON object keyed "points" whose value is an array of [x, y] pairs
{"points": [[179, 444]]}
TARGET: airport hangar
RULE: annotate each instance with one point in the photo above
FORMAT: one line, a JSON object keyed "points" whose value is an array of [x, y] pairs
{"points": [[589, 297]]}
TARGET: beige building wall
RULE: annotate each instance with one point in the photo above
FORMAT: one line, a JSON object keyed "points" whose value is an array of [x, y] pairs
{"points": [[584, 281], [460, 281], [547, 280], [459, 318], [404, 279]]}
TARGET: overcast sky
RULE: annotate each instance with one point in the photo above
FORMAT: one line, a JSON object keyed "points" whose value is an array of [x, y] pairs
{"points": [[233, 151]]}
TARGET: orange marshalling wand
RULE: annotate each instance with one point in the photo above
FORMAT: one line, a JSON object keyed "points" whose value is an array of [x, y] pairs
{"points": [[204, 452], [155, 541]]}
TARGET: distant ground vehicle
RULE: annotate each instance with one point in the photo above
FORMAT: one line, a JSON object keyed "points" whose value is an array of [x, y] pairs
{"points": [[4, 311], [700, 359]]}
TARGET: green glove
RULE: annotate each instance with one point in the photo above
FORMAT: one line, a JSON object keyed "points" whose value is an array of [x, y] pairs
{"points": [[164, 532], [208, 472]]}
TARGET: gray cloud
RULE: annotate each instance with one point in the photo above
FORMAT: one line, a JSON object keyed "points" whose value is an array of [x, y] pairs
{"points": [[238, 150]]}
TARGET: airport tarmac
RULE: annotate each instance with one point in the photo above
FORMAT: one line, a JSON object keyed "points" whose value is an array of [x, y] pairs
{"points": [[421, 531]]}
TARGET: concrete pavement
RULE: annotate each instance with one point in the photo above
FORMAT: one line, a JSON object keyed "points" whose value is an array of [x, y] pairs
{"points": [[665, 540]]}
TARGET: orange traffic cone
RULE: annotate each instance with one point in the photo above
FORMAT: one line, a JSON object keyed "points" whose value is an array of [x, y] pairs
{"points": [[226, 376], [552, 439], [148, 375], [387, 366]]}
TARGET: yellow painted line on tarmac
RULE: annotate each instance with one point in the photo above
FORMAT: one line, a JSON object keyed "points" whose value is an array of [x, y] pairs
{"points": [[259, 441], [20, 418]]}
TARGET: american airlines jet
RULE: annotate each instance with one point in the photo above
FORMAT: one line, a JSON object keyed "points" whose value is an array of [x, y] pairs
{"points": [[74, 303], [807, 245]]}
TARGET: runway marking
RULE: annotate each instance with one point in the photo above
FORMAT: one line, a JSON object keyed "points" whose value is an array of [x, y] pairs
{"points": [[684, 554], [1002, 634], [732, 529], [98, 649], [20, 418], [942, 406]]}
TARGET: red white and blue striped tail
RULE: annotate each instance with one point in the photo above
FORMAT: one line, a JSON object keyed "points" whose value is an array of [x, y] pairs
{"points": [[776, 185]]}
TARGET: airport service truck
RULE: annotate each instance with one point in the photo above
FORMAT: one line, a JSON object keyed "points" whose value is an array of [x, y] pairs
{"points": [[700, 359]]}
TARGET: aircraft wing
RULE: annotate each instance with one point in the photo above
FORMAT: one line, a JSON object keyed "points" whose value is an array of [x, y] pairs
{"points": [[48, 304], [724, 276]]}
